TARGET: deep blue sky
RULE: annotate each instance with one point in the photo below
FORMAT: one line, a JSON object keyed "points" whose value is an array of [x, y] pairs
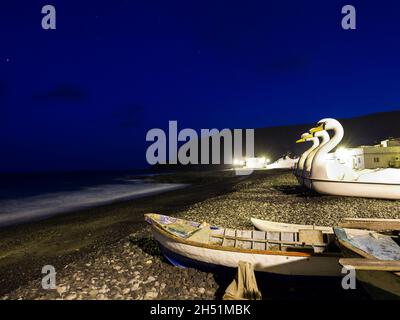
{"points": [[83, 96]]}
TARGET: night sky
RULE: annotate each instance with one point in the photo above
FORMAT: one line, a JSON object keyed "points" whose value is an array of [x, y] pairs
{"points": [[83, 96]]}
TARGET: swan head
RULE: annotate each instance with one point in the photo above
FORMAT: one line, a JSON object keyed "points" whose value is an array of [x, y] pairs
{"points": [[321, 134], [305, 137], [326, 124]]}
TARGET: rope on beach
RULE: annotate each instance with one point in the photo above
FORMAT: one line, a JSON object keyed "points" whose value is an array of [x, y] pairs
{"points": [[244, 286]]}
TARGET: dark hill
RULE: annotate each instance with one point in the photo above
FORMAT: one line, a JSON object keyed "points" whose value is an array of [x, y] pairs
{"points": [[274, 142], [363, 130]]}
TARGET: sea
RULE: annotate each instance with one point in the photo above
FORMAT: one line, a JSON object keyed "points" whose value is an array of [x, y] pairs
{"points": [[36, 196]]}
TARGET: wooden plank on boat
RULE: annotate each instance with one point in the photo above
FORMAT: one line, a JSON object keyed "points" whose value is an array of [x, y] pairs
{"points": [[383, 225], [273, 235], [216, 240], [273, 246], [259, 235], [243, 244], [372, 219], [243, 234], [259, 245], [228, 242], [291, 243], [219, 231], [369, 264], [288, 236], [230, 232], [311, 236]]}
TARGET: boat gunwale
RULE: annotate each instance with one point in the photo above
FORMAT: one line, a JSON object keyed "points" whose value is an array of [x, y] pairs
{"points": [[239, 250]]}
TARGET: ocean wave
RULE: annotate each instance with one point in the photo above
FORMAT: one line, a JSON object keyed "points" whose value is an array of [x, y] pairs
{"points": [[20, 210]]}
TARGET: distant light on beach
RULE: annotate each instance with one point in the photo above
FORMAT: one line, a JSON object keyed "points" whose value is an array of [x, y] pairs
{"points": [[255, 162], [238, 162]]}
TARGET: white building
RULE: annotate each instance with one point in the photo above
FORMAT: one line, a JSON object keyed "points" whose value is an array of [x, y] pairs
{"points": [[283, 163], [384, 155], [255, 163]]}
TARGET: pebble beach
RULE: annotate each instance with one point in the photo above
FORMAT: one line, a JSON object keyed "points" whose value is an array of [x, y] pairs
{"points": [[132, 267]]}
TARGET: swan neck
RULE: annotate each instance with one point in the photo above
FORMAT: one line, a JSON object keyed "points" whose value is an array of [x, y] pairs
{"points": [[319, 158], [306, 153]]}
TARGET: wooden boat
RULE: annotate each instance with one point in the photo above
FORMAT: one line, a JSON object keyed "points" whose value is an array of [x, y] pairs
{"points": [[375, 258], [266, 225], [189, 243], [379, 225]]}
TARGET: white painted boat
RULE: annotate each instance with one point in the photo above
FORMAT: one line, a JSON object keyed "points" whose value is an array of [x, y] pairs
{"points": [[375, 258], [266, 225], [189, 243]]}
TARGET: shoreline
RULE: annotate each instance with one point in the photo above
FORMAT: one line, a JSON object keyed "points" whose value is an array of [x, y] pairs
{"points": [[14, 219], [67, 237]]}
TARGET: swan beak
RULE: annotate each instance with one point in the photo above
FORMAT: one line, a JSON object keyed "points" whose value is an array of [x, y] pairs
{"points": [[300, 140], [316, 129]]}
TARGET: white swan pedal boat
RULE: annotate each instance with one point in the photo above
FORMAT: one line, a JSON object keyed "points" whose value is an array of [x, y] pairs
{"points": [[334, 178], [191, 244]]}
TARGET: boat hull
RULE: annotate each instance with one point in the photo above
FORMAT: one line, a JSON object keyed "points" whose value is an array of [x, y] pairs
{"points": [[272, 262], [299, 178], [357, 189], [307, 182]]}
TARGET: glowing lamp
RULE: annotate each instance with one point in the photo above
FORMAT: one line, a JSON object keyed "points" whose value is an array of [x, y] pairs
{"points": [[342, 153]]}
